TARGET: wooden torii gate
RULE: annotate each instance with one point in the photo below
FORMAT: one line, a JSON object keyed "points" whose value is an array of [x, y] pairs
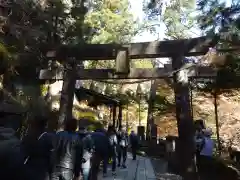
{"points": [[175, 49]]}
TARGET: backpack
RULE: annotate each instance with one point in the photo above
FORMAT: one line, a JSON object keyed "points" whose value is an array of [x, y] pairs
{"points": [[88, 147], [200, 144], [134, 140], [113, 140], [123, 141], [41, 153], [28, 157]]}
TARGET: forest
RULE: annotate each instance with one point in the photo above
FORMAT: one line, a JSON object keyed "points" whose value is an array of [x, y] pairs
{"points": [[28, 27]]}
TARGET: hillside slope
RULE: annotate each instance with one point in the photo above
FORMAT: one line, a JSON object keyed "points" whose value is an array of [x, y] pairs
{"points": [[203, 108]]}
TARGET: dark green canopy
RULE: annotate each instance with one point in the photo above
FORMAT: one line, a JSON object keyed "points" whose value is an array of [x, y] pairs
{"points": [[94, 98]]}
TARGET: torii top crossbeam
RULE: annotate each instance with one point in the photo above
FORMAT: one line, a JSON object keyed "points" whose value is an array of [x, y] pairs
{"points": [[185, 47], [156, 49]]}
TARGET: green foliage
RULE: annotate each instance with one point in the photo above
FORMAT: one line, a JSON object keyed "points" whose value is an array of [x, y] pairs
{"points": [[91, 128], [153, 9], [94, 127], [177, 16], [3, 51], [4, 57], [142, 63], [44, 89], [37, 27], [217, 17], [162, 105], [111, 21]]}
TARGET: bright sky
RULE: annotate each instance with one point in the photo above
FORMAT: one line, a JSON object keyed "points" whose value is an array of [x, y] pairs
{"points": [[137, 6]]}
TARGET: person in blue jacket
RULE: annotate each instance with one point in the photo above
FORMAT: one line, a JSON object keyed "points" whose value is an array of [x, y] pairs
{"points": [[134, 141], [101, 152]]}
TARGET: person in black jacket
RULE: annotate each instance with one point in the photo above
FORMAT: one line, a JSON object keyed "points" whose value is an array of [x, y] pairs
{"points": [[122, 147], [39, 146], [101, 152], [11, 151], [88, 149], [112, 135], [134, 142], [68, 152], [11, 157]]}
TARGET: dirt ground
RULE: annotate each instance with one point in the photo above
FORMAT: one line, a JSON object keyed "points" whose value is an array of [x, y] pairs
{"points": [[217, 171]]}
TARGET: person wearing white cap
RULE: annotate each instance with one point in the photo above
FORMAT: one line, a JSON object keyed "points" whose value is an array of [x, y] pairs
{"points": [[208, 146]]}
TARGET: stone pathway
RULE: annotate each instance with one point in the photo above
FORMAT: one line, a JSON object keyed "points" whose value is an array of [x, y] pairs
{"points": [[141, 169]]}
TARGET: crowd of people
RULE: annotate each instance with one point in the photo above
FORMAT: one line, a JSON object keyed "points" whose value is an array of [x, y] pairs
{"points": [[63, 154]]}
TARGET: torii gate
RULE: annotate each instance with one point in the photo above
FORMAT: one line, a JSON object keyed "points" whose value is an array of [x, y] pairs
{"points": [[175, 49]]}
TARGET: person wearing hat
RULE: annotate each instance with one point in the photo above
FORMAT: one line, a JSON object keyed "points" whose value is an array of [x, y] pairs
{"points": [[208, 146], [206, 154]]}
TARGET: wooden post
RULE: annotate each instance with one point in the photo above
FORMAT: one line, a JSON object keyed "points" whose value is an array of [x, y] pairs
{"points": [[127, 116], [122, 62], [150, 120], [120, 116], [110, 113], [114, 115], [216, 120], [191, 101], [185, 145], [67, 94]]}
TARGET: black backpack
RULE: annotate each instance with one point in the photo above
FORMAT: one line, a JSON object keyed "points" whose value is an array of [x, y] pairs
{"points": [[200, 146], [113, 140], [122, 139]]}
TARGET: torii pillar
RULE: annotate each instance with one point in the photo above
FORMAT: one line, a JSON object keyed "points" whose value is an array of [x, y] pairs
{"points": [[114, 109], [119, 116], [67, 94], [185, 145]]}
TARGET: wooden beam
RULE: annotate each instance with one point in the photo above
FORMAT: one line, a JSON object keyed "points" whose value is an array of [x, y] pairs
{"points": [[189, 47], [154, 73]]}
